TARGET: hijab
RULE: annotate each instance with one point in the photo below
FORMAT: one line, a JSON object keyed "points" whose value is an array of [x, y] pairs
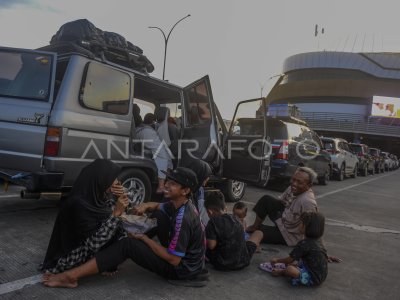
{"points": [[83, 212], [203, 171]]}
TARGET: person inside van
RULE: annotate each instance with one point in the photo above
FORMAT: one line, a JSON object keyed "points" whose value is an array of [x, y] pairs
{"points": [[86, 221], [146, 133], [174, 135], [181, 260]]}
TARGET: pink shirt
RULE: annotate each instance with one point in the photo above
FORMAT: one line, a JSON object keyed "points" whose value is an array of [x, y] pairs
{"points": [[289, 223]]}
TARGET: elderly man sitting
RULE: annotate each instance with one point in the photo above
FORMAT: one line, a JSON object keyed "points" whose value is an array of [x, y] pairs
{"points": [[285, 211]]}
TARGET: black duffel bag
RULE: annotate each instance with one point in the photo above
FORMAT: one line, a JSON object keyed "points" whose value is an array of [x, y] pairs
{"points": [[113, 46]]}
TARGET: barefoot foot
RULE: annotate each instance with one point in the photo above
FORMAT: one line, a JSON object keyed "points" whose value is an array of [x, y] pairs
{"points": [[59, 280]]}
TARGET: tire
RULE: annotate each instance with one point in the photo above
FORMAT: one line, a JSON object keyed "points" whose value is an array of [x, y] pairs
{"points": [[323, 180], [233, 190], [354, 175], [137, 185], [341, 175]]}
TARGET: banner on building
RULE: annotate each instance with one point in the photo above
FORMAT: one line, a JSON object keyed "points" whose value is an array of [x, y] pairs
{"points": [[385, 107]]}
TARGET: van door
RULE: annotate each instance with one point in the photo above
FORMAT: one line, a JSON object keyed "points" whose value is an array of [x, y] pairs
{"points": [[26, 97], [199, 137], [247, 151]]}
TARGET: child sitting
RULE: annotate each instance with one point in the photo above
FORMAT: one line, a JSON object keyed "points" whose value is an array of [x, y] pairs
{"points": [[227, 248], [240, 211], [312, 267]]}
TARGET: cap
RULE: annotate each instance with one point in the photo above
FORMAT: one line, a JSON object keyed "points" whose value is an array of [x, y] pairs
{"points": [[183, 176]]}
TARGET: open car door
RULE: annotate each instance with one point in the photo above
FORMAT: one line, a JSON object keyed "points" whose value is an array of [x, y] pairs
{"points": [[246, 150], [199, 123]]}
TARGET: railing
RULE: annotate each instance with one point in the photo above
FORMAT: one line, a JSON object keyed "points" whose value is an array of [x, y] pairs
{"points": [[352, 123]]}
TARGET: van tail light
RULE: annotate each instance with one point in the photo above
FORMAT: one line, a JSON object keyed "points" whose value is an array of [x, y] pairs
{"points": [[283, 151], [52, 143]]}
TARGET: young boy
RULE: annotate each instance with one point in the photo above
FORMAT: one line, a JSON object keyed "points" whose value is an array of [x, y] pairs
{"points": [[240, 210], [226, 246]]}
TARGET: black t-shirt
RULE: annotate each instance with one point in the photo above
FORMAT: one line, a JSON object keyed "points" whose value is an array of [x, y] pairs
{"points": [[231, 252], [187, 238], [313, 254]]}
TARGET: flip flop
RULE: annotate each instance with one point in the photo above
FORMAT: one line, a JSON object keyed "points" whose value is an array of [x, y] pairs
{"points": [[267, 267]]}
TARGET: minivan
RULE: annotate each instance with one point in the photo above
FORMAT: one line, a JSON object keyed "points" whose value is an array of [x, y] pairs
{"points": [[61, 107]]}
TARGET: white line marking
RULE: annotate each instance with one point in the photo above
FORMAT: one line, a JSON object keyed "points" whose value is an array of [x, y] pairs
{"points": [[377, 194], [10, 196], [351, 186], [19, 284], [360, 227]]}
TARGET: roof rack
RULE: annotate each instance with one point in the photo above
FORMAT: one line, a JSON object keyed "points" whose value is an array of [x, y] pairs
{"points": [[123, 57]]}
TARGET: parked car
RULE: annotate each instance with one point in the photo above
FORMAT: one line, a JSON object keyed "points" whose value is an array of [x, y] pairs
{"points": [[366, 162], [388, 161], [379, 161], [293, 144], [63, 106], [396, 161], [344, 160]]}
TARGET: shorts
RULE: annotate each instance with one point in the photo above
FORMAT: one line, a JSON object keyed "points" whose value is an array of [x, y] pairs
{"points": [[305, 276]]}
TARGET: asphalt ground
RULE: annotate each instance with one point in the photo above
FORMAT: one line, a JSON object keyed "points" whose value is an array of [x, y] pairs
{"points": [[363, 228]]}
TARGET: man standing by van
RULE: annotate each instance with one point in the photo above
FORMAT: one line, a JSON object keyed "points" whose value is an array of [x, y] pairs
{"points": [[182, 261]]}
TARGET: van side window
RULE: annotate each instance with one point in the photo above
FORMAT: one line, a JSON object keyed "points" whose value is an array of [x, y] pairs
{"points": [[197, 106], [105, 89]]}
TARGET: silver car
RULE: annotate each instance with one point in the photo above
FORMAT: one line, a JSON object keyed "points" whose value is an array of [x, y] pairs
{"points": [[344, 160]]}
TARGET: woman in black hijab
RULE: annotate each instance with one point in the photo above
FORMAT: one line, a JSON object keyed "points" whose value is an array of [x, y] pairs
{"points": [[203, 172], [86, 222]]}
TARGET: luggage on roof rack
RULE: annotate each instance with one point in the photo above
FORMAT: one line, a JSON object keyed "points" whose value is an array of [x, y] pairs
{"points": [[83, 37]]}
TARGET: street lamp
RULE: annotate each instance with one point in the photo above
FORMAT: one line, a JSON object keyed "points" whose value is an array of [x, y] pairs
{"points": [[166, 38]]}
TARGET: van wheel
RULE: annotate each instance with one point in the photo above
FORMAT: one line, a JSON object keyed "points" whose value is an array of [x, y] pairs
{"points": [[137, 185], [323, 180], [233, 190]]}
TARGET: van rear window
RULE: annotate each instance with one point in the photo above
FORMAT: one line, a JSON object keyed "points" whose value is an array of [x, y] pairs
{"points": [[25, 75]]}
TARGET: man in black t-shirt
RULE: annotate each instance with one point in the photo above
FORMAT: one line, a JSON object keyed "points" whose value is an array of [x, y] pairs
{"points": [[181, 260], [226, 246]]}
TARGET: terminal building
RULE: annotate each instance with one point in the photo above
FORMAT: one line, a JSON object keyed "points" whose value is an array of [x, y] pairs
{"points": [[355, 96]]}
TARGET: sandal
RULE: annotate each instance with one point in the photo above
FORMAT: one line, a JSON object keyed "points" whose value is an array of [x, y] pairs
{"points": [[267, 267]]}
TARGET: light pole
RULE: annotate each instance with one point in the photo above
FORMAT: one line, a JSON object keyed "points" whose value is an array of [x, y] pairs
{"points": [[166, 38]]}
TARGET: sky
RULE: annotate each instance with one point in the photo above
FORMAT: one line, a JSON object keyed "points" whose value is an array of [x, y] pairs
{"points": [[239, 44]]}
